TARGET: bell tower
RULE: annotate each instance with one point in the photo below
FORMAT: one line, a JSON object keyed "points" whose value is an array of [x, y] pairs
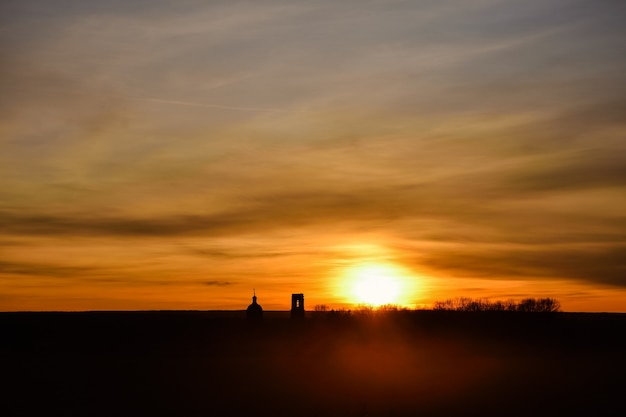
{"points": [[297, 306]]}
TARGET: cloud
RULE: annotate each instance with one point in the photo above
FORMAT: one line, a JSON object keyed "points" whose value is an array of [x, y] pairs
{"points": [[244, 253], [58, 270], [121, 274], [604, 265], [207, 105], [583, 169], [218, 283]]}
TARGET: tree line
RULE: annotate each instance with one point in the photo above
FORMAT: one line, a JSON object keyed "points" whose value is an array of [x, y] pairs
{"points": [[526, 305]]}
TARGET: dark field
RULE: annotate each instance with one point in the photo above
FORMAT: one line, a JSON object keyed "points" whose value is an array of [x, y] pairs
{"points": [[405, 363]]}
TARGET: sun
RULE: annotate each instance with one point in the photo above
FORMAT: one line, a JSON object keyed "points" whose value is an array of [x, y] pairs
{"points": [[378, 284]]}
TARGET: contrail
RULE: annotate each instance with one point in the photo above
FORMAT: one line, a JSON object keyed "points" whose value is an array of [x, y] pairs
{"points": [[211, 106]]}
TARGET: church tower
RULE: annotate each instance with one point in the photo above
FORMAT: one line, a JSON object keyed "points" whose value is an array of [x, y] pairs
{"points": [[297, 306]]}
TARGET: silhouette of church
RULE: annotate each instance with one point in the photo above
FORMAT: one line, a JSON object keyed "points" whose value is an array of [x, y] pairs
{"points": [[254, 312], [297, 306]]}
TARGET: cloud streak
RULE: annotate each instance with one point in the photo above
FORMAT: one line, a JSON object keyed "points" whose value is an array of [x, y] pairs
{"points": [[207, 105]]}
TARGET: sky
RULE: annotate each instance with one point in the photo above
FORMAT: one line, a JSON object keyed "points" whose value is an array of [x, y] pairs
{"points": [[178, 155]]}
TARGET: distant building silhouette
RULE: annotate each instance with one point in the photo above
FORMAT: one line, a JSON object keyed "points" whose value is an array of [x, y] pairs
{"points": [[254, 312], [297, 306]]}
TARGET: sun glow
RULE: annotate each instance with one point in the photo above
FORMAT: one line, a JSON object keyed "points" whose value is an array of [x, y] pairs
{"points": [[378, 284]]}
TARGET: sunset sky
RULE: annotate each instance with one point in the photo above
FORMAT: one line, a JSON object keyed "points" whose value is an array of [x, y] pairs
{"points": [[178, 154]]}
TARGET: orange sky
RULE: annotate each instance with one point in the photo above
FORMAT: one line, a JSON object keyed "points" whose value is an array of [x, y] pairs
{"points": [[161, 157]]}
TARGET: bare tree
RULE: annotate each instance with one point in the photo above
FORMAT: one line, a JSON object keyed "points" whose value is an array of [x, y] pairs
{"points": [[548, 305], [526, 305]]}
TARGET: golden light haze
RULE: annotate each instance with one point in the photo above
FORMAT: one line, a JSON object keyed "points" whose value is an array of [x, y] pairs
{"points": [[160, 157]]}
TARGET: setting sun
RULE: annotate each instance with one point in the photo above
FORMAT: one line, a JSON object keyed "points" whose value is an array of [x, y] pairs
{"points": [[377, 284]]}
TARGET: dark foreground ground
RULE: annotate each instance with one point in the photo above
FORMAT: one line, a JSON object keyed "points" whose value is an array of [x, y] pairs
{"points": [[216, 364]]}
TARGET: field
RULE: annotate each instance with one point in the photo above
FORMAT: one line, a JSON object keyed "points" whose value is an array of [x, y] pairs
{"points": [[395, 364]]}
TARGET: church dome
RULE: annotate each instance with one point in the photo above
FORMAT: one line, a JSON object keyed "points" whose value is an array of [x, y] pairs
{"points": [[254, 310]]}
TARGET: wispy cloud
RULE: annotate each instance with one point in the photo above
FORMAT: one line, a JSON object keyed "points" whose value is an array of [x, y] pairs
{"points": [[217, 283], [207, 105]]}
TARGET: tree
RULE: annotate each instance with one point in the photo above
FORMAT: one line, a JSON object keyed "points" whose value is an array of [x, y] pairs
{"points": [[548, 305], [526, 305]]}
